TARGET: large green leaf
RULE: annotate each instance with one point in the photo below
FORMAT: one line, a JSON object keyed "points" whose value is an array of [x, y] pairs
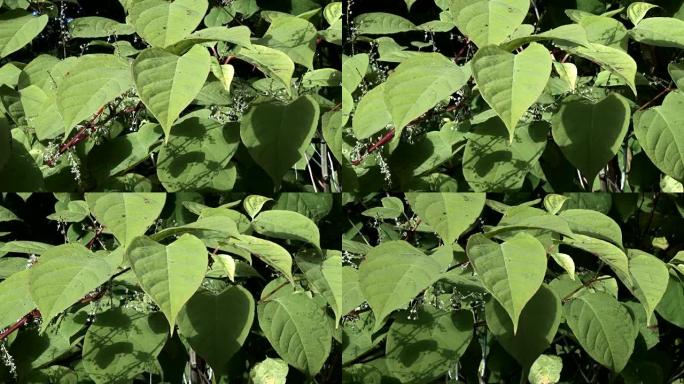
{"points": [[393, 273], [217, 324], [162, 23], [670, 306], [121, 344], [488, 22], [418, 84], [325, 275], [91, 82], [126, 215], [381, 23], [294, 36], [448, 214], [660, 31], [650, 278], [271, 253], [40, 110], [603, 328], [590, 133], [537, 327], [512, 271], [352, 296], [64, 275], [169, 274], [196, 155], [283, 224], [610, 254], [424, 349], [167, 83], [272, 62], [492, 164], [297, 328], [593, 223], [372, 114], [96, 26], [510, 83], [659, 134], [277, 134], [15, 298], [18, 28], [617, 61]]}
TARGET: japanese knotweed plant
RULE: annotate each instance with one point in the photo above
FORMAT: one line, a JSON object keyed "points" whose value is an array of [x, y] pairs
{"points": [[475, 288], [485, 96], [150, 287], [159, 95]]}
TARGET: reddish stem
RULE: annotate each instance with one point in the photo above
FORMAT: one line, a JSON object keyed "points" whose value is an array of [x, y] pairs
{"points": [[383, 140], [20, 323], [656, 97]]}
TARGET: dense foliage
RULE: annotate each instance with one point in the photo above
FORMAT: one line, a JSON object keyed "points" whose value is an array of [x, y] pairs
{"points": [[475, 288], [149, 287], [149, 95], [485, 96]]}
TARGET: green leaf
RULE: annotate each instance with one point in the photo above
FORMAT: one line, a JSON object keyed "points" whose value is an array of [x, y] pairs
{"points": [[510, 83], [95, 26], [608, 253], [64, 275], [216, 325], [167, 83], [217, 227], [614, 60], [590, 133], [7, 215], [393, 273], [40, 110], [546, 370], [603, 327], [294, 36], [660, 32], [196, 155], [91, 82], [670, 306], [254, 203], [27, 247], [272, 62], [637, 10], [492, 164], [15, 298], [283, 224], [372, 114], [352, 296], [163, 23], [269, 371], [569, 33], [123, 343], [271, 253], [169, 274], [18, 28], [657, 130], [354, 69], [512, 271], [325, 275], [418, 84], [593, 223], [380, 23], [488, 22], [123, 153], [276, 134], [297, 328], [239, 35], [448, 214], [422, 350], [537, 326], [126, 215], [650, 278]]}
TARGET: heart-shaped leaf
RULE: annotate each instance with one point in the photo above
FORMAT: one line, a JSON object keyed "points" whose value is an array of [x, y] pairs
{"points": [[167, 83], [449, 214], [276, 134], [162, 23], [512, 271], [283, 224], [590, 133], [216, 325], [488, 22], [510, 83], [169, 274]]}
